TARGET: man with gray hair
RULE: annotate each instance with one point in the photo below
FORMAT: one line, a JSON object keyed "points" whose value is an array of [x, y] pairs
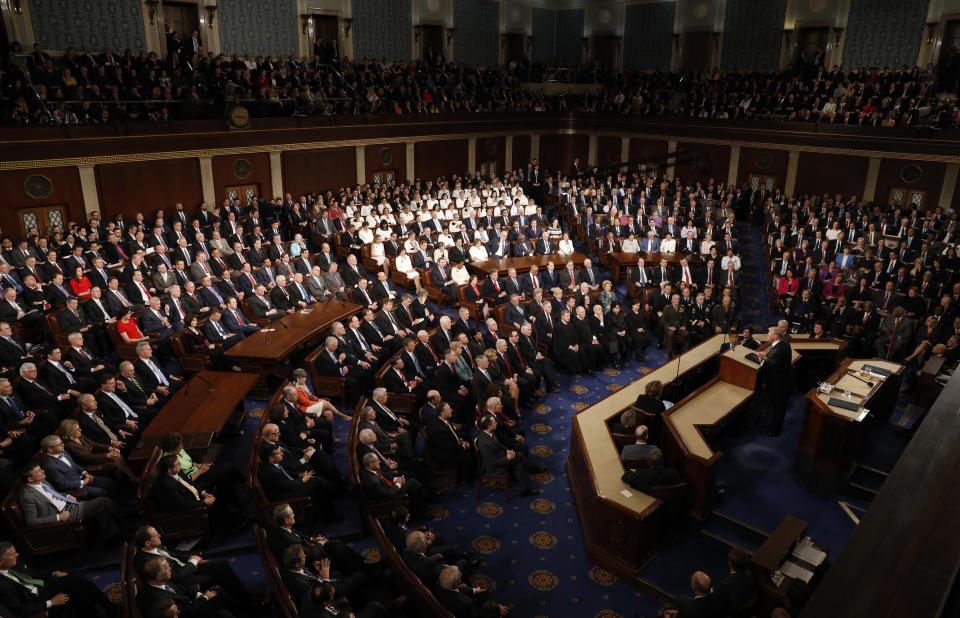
{"points": [[336, 363], [459, 598], [377, 485]]}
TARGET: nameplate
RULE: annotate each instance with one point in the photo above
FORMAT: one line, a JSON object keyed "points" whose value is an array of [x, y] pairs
{"points": [[846, 405], [879, 371]]}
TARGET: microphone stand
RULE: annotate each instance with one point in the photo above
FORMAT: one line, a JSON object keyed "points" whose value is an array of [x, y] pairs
{"points": [[209, 384]]}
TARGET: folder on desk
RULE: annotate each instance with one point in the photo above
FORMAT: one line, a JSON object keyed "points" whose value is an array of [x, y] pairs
{"points": [[846, 405]]}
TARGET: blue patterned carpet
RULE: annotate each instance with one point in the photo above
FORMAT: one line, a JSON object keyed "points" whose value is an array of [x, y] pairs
{"points": [[533, 556]]}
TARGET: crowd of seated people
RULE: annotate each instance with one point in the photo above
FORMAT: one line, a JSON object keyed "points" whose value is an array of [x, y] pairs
{"points": [[87, 87], [215, 273], [886, 280]]}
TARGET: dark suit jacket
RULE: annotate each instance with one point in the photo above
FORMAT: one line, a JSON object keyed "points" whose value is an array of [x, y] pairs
{"points": [[644, 478], [169, 496], [493, 454], [18, 600]]}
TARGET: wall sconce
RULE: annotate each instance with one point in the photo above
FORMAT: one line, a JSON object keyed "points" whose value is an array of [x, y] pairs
{"points": [[930, 28], [211, 14], [347, 25], [417, 33], [152, 8], [837, 34], [307, 21], [450, 32], [17, 8]]}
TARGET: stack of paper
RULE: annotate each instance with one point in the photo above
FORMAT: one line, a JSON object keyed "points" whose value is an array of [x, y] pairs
{"points": [[796, 571], [805, 551]]}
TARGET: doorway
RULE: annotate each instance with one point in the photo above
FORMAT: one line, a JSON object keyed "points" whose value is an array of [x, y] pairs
{"points": [[604, 47], [184, 17], [758, 181], [907, 198], [812, 41], [697, 51], [326, 28], [245, 194], [42, 217], [515, 47], [431, 43], [380, 177]]}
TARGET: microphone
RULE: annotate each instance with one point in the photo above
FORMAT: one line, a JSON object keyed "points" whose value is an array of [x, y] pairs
{"points": [[856, 377], [209, 384], [281, 323]]}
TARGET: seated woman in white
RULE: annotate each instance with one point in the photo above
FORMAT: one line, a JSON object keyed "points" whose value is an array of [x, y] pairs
{"points": [[668, 244], [411, 244], [566, 245], [478, 252], [378, 255], [483, 235], [706, 244], [365, 234], [460, 274], [405, 265], [630, 245]]}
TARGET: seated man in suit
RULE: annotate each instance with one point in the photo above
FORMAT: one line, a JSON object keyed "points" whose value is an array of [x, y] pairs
{"points": [[155, 319], [281, 483], [262, 307], [461, 599], [703, 604], [235, 321], [65, 475], [151, 375], [190, 570], [497, 459], [217, 334], [639, 450], [26, 591], [656, 475], [73, 320], [43, 400], [16, 414], [448, 449], [378, 486], [282, 534], [42, 504], [173, 492], [160, 592], [440, 276], [737, 592], [362, 295]]}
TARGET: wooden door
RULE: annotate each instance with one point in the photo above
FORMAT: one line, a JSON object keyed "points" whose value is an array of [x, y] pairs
{"points": [[696, 53], [327, 27], [42, 217], [245, 194], [431, 41], [907, 198], [182, 17], [762, 180], [812, 41], [488, 169], [515, 46], [604, 48], [383, 176]]}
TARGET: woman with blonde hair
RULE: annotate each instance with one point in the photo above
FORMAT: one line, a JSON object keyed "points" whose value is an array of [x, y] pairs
{"points": [[93, 456], [309, 403]]}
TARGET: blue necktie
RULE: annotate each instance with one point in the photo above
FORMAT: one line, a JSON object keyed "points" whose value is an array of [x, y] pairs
{"points": [[57, 494], [13, 406]]}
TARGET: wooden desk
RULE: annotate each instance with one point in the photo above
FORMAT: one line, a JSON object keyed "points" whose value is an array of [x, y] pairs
{"points": [[831, 435], [769, 558], [523, 264], [620, 259], [928, 388], [263, 352], [200, 414], [619, 524]]}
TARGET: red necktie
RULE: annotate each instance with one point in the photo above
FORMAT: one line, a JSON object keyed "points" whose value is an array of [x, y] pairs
{"points": [[435, 359], [388, 482], [496, 286], [522, 364], [504, 357], [239, 317]]}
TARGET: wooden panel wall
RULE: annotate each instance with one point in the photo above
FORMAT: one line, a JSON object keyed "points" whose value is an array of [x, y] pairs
{"points": [[608, 149], [825, 173], [558, 151], [763, 161], [702, 162], [146, 187], [521, 151], [65, 189], [223, 174], [642, 149], [433, 159], [930, 181], [318, 170], [492, 149], [398, 162]]}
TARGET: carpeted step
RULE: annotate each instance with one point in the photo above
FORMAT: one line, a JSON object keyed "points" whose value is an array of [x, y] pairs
{"points": [[733, 533]]}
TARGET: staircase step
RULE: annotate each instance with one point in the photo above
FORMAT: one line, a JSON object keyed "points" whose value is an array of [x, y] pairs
{"points": [[733, 533]]}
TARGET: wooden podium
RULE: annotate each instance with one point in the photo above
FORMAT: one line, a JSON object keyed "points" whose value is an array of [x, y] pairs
{"points": [[831, 434]]}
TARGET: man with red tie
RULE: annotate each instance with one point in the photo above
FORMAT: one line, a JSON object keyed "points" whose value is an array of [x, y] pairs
{"points": [[234, 321]]}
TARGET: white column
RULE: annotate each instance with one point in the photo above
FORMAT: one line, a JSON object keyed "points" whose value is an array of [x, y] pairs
{"points": [[206, 182], [949, 186], [534, 147], [624, 149], [870, 184], [88, 186], [411, 167], [592, 149], [508, 155], [671, 147], [276, 174], [152, 31], [792, 163], [19, 26], [471, 156], [734, 165], [361, 165]]}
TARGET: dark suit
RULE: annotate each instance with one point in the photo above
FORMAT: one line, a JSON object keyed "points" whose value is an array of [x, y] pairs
{"points": [[643, 479], [776, 383], [493, 455]]}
